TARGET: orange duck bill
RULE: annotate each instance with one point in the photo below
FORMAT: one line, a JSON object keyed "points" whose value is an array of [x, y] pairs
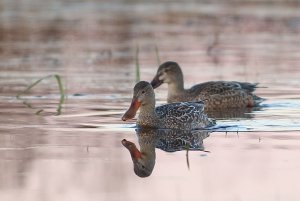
{"points": [[134, 152], [130, 113]]}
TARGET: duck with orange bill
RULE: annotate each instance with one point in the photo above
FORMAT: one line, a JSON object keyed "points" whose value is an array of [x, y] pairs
{"points": [[181, 115]]}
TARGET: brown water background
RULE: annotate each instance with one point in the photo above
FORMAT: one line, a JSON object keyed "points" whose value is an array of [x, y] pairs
{"points": [[92, 44]]}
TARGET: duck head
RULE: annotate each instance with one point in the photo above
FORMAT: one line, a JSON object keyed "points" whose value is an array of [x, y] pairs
{"points": [[143, 95], [143, 162], [168, 72]]}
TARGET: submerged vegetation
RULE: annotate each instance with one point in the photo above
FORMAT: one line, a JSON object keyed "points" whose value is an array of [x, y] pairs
{"points": [[61, 90]]}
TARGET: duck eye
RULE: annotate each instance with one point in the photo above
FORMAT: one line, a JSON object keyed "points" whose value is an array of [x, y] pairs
{"points": [[143, 92], [143, 166]]}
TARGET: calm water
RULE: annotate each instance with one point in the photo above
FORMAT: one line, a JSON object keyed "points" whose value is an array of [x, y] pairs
{"points": [[250, 155]]}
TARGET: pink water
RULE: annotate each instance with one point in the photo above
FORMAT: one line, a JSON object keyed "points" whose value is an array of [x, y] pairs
{"points": [[79, 156]]}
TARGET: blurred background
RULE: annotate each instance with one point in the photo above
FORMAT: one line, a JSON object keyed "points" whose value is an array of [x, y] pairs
{"points": [[92, 45]]}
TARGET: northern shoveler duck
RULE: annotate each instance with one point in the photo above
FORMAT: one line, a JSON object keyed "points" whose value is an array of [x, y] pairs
{"points": [[169, 140], [216, 94], [183, 115]]}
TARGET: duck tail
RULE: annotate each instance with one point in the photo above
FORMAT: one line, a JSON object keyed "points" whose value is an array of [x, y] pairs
{"points": [[257, 100], [212, 122], [249, 86]]}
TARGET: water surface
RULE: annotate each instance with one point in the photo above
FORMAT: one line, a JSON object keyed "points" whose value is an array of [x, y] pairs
{"points": [[250, 155]]}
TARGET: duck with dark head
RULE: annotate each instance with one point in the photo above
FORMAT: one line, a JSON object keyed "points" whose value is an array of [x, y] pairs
{"points": [[216, 94]]}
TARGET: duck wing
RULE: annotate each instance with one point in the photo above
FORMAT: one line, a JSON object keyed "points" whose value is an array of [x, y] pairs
{"points": [[184, 112], [217, 87]]}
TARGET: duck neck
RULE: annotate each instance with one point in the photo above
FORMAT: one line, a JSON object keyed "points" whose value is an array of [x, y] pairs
{"points": [[176, 87], [147, 109], [147, 116]]}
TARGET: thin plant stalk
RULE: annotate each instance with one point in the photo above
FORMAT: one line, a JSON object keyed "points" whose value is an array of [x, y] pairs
{"points": [[137, 65], [62, 94], [157, 55], [31, 86], [187, 156], [61, 90]]}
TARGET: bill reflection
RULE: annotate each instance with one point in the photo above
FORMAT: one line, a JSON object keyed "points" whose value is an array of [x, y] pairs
{"points": [[168, 140]]}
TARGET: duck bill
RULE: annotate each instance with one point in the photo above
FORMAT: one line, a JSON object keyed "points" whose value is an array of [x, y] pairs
{"points": [[156, 82], [130, 113], [134, 152]]}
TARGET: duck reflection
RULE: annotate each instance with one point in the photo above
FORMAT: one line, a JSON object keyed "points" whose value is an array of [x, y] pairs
{"points": [[168, 140]]}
